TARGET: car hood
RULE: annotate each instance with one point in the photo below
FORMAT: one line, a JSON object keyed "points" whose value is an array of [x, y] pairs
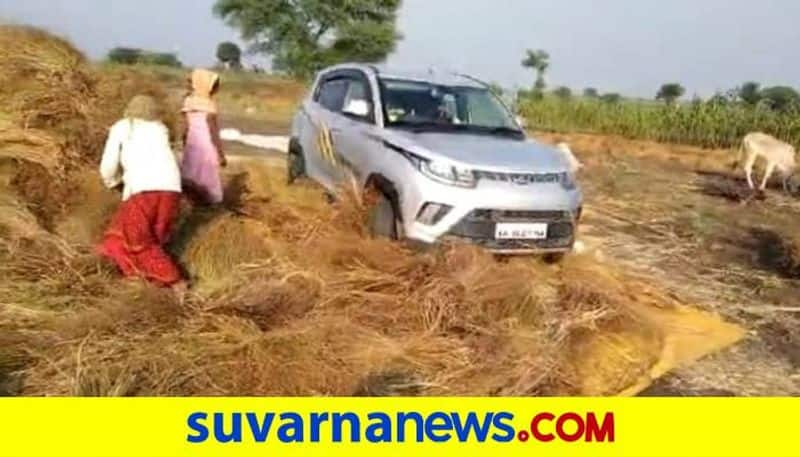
{"points": [[482, 152]]}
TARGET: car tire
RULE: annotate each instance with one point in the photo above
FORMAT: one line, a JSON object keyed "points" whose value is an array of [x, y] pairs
{"points": [[382, 219], [296, 166]]}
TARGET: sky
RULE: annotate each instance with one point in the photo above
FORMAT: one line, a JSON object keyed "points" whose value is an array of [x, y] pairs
{"points": [[627, 46]]}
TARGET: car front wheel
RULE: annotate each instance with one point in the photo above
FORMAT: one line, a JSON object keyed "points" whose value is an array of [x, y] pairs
{"points": [[383, 220]]}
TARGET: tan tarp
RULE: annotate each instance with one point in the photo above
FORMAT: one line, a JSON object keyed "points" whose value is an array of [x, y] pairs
{"points": [[626, 362]]}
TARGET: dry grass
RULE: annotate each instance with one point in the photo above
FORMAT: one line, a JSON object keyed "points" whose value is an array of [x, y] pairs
{"points": [[729, 188], [792, 249], [259, 97], [56, 112], [50, 90], [601, 150], [778, 251], [293, 301]]}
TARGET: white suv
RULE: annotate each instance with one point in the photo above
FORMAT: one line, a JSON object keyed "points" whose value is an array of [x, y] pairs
{"points": [[446, 155]]}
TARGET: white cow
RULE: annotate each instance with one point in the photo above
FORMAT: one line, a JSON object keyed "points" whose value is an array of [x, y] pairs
{"points": [[574, 163], [777, 154]]}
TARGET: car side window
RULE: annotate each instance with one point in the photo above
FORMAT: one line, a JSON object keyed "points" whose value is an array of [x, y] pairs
{"points": [[356, 91], [358, 101], [332, 94]]}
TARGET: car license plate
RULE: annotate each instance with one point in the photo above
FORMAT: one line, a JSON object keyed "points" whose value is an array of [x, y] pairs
{"points": [[520, 231]]}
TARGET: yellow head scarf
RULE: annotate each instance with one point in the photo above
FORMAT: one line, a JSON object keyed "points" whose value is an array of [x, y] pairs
{"points": [[201, 99]]}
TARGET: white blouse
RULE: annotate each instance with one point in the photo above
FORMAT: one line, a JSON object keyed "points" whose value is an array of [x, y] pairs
{"points": [[138, 155]]}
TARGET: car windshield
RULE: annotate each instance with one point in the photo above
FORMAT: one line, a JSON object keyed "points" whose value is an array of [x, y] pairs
{"points": [[425, 106]]}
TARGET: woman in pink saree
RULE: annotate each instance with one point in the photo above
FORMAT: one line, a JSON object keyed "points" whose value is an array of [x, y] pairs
{"points": [[202, 155]]}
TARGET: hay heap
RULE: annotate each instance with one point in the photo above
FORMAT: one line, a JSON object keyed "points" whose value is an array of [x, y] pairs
{"points": [[313, 307], [292, 298], [57, 109]]}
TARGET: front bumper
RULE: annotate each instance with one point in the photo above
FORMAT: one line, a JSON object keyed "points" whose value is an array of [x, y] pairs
{"points": [[479, 228], [476, 212]]}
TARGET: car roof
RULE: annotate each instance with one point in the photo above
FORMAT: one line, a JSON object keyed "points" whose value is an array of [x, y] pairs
{"points": [[432, 75]]}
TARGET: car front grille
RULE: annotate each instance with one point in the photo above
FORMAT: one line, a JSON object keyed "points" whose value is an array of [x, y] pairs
{"points": [[518, 245], [522, 179], [479, 226], [495, 215]]}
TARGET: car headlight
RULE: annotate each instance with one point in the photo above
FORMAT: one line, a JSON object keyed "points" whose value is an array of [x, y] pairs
{"points": [[439, 170], [568, 181], [447, 173]]}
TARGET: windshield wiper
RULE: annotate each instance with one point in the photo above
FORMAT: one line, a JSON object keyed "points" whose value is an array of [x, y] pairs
{"points": [[425, 126], [433, 126]]}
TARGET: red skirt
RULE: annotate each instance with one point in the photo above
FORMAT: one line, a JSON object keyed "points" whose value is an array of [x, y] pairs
{"points": [[137, 235]]}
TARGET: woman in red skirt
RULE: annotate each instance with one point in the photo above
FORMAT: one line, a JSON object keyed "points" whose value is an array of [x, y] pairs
{"points": [[138, 156]]}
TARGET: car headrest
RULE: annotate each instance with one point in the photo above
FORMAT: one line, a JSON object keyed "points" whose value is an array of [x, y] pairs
{"points": [[357, 108]]}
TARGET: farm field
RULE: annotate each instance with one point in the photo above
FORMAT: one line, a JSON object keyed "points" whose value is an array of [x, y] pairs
{"points": [[684, 288], [674, 215], [707, 123]]}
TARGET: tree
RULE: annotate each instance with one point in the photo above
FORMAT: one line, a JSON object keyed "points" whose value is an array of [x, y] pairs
{"points": [[539, 61], [781, 98], [719, 99], [125, 56], [750, 93], [611, 98], [133, 56], [305, 36], [670, 92], [590, 92], [229, 54], [161, 58], [563, 92]]}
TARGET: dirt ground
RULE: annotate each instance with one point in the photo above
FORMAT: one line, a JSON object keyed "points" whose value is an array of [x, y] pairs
{"points": [[682, 219]]}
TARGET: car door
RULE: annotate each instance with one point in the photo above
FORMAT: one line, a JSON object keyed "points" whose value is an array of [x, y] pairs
{"points": [[320, 157], [353, 130]]}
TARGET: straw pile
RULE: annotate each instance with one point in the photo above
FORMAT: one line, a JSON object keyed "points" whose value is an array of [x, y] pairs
{"points": [[56, 111], [300, 303]]}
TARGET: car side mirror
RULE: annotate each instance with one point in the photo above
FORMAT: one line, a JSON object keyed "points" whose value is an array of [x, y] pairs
{"points": [[357, 108]]}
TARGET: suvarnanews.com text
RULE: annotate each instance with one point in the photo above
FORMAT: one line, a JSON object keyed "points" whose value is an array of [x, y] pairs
{"points": [[402, 427]]}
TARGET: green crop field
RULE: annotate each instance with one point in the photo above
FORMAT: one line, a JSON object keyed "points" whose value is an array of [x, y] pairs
{"points": [[701, 123]]}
